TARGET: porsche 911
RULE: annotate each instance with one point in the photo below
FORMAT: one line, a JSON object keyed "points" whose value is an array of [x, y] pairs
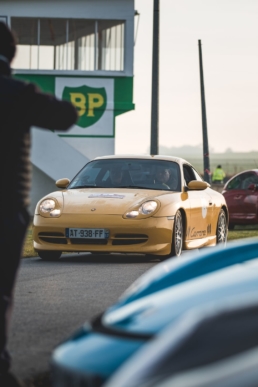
{"points": [[152, 205]]}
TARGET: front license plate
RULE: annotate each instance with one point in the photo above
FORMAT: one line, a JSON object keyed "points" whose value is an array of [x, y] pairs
{"points": [[90, 233]]}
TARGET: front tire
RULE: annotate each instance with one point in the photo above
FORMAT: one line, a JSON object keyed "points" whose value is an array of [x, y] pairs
{"points": [[178, 235], [49, 255], [222, 229]]}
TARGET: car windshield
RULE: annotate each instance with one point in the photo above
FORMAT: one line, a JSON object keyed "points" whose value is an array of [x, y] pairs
{"points": [[129, 173]]}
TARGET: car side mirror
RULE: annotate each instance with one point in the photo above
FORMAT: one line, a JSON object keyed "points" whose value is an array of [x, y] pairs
{"points": [[62, 183], [253, 187], [197, 185]]}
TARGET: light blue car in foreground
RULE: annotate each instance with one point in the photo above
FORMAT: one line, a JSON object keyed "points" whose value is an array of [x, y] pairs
{"points": [[213, 345], [157, 300]]}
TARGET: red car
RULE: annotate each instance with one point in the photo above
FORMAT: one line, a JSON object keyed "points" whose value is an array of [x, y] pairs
{"points": [[241, 194]]}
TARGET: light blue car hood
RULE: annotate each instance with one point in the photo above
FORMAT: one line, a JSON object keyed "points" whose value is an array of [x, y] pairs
{"points": [[177, 270], [152, 313]]}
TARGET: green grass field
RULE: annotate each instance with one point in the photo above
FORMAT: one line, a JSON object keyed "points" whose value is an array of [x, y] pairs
{"points": [[243, 232], [237, 233], [28, 250]]}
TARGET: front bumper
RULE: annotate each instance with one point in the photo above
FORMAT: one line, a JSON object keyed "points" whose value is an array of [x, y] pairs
{"points": [[148, 236]]}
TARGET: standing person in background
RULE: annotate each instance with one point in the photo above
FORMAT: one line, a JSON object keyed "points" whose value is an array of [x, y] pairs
{"points": [[22, 105], [218, 175]]}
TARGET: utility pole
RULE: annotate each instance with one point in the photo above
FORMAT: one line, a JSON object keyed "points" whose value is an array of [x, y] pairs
{"points": [[206, 157], [154, 149]]}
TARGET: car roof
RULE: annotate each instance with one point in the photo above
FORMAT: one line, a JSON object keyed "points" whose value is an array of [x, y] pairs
{"points": [[241, 173], [238, 371], [179, 160], [203, 336], [176, 270]]}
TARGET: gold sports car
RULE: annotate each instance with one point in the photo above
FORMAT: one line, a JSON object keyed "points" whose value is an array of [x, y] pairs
{"points": [[153, 205]]}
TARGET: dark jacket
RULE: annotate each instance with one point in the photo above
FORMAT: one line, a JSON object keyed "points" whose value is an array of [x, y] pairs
{"points": [[22, 105]]}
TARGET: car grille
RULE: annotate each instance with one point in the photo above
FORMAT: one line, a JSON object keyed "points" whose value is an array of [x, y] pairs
{"points": [[83, 241], [53, 237], [129, 239], [117, 240]]}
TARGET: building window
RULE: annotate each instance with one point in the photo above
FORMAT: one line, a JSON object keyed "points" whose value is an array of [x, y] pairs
{"points": [[110, 45], [69, 44]]}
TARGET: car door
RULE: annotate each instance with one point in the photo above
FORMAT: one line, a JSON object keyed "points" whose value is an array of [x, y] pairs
{"points": [[241, 201], [199, 224]]}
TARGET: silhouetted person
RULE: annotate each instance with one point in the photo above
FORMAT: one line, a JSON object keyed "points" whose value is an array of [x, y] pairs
{"points": [[22, 105]]}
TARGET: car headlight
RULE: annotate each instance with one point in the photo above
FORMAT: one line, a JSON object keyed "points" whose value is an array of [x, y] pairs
{"points": [[49, 206], [146, 208]]}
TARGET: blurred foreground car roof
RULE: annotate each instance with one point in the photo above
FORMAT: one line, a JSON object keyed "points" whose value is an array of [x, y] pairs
{"points": [[211, 346]]}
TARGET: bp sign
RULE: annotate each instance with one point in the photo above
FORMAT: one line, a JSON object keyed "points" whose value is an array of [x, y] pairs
{"points": [[94, 101], [90, 103]]}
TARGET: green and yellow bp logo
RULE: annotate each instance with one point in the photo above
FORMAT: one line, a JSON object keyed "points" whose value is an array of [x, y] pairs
{"points": [[90, 103]]}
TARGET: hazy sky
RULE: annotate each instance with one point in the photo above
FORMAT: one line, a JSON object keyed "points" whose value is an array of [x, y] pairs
{"points": [[228, 30]]}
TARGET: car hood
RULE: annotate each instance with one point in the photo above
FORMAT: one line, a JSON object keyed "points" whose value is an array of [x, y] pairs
{"points": [[177, 270], [150, 314], [105, 201]]}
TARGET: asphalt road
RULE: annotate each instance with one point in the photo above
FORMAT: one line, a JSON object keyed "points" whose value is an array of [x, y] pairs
{"points": [[53, 299]]}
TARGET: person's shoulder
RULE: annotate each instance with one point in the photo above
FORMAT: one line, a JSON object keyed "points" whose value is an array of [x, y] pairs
{"points": [[31, 92], [12, 84], [30, 87]]}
